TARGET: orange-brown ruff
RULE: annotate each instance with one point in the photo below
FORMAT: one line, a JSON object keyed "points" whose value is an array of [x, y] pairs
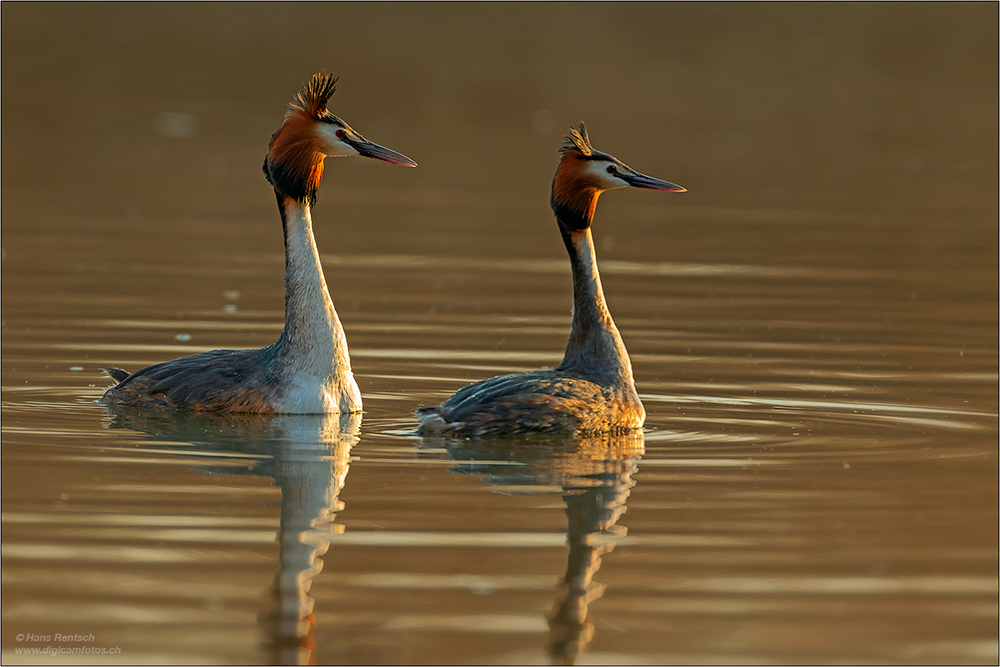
{"points": [[308, 370], [592, 390]]}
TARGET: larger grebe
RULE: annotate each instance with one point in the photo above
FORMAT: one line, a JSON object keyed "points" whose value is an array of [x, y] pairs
{"points": [[592, 390], [308, 371]]}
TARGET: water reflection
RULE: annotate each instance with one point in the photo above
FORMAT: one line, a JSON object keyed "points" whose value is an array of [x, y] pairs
{"points": [[308, 456], [594, 477]]}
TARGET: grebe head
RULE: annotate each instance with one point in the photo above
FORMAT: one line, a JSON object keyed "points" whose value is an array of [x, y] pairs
{"points": [[308, 135], [584, 173]]}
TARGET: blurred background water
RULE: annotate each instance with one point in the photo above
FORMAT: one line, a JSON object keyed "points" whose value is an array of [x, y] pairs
{"points": [[813, 328]]}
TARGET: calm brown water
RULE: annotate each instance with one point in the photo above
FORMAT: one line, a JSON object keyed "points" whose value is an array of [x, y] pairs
{"points": [[813, 329]]}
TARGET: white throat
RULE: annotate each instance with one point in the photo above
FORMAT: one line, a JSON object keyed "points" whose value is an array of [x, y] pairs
{"points": [[594, 344], [316, 368]]}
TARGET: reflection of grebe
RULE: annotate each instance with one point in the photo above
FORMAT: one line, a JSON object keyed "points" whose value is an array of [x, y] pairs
{"points": [[308, 456], [595, 477], [592, 390], [308, 370]]}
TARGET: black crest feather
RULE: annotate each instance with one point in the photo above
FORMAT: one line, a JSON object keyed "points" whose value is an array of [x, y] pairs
{"points": [[577, 139], [315, 95]]}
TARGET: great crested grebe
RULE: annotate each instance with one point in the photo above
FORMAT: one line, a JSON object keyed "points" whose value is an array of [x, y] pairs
{"points": [[592, 390], [308, 371]]}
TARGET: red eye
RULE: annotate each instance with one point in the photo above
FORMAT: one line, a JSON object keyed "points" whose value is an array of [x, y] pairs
{"points": [[340, 134], [611, 169]]}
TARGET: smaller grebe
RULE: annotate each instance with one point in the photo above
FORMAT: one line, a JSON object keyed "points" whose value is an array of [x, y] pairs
{"points": [[308, 371], [592, 390]]}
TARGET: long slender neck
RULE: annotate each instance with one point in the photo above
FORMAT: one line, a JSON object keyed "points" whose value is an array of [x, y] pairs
{"points": [[312, 336], [594, 346]]}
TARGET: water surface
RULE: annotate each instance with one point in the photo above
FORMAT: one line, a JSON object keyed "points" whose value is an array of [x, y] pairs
{"points": [[813, 329]]}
